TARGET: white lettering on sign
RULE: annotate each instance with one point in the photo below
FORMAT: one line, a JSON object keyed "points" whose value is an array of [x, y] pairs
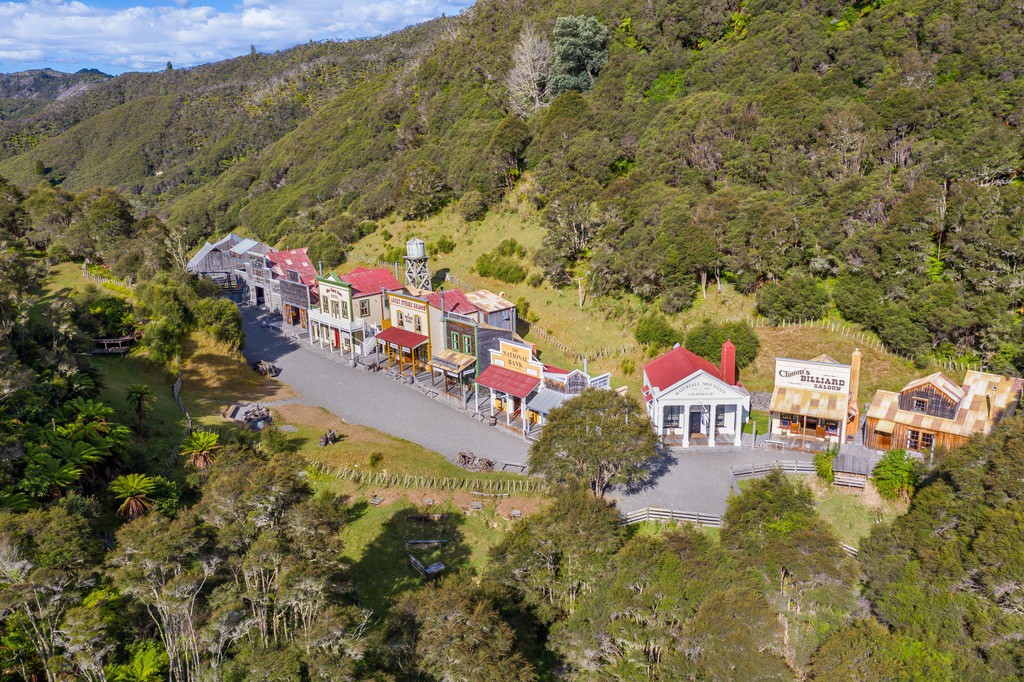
{"points": [[817, 376]]}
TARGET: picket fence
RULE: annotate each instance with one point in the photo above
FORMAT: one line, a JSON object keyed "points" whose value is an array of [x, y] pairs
{"points": [[484, 485]]}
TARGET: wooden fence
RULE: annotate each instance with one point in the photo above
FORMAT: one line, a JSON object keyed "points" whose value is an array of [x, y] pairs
{"points": [[484, 485], [176, 390], [758, 470], [667, 515], [852, 551]]}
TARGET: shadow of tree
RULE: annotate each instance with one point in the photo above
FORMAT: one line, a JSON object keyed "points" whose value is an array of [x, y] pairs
{"points": [[439, 278], [382, 573], [655, 468]]}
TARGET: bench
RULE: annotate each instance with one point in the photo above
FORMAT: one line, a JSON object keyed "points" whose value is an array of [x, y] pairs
{"points": [[774, 444], [516, 514], [431, 571], [425, 543], [376, 500]]}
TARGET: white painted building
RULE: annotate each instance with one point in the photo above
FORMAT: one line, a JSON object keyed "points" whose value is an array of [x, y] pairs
{"points": [[692, 402]]}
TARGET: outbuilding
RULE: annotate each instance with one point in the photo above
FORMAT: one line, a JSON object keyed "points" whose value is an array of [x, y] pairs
{"points": [[692, 402]]}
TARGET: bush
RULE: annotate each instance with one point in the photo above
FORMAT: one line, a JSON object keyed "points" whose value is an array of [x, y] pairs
{"points": [[221, 319], [510, 248], [823, 464], [444, 244], [656, 332], [535, 280], [472, 206], [895, 475], [500, 268], [706, 340], [393, 254], [794, 298]]}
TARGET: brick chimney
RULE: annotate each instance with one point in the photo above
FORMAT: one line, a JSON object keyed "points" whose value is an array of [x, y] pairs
{"points": [[728, 364]]}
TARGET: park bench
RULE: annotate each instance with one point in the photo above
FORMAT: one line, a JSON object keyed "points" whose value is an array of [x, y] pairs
{"points": [[425, 543], [431, 571], [477, 506], [376, 500], [775, 444]]}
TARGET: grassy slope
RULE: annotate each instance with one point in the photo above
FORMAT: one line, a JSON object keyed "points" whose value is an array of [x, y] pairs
{"points": [[605, 323]]}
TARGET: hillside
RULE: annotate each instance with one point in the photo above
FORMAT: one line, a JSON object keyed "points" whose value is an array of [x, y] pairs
{"points": [[859, 158]]}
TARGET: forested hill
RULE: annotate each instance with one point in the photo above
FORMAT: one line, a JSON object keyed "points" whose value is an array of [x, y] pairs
{"points": [[865, 155]]}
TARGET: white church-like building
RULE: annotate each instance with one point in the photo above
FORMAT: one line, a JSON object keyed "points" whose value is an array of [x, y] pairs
{"points": [[692, 402]]}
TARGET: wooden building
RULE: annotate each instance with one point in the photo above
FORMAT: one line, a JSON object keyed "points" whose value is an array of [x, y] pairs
{"points": [[405, 338], [494, 309], [692, 402], [351, 309], [935, 411], [815, 399], [225, 259], [283, 282]]}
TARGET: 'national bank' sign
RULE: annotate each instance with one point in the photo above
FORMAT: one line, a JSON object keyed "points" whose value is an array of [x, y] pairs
{"points": [[816, 376]]}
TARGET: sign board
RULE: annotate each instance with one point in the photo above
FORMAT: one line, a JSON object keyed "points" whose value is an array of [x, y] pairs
{"points": [[703, 387], [399, 303], [516, 358], [601, 381], [294, 294], [815, 376]]}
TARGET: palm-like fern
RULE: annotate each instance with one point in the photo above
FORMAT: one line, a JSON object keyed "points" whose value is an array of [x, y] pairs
{"points": [[200, 449], [133, 490]]}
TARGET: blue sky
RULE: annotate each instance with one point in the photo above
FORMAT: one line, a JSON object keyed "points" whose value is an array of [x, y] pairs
{"points": [[120, 35]]}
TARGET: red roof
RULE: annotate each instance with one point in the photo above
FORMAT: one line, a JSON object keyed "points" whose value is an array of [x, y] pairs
{"points": [[365, 281], [507, 381], [402, 337], [676, 365], [297, 260], [454, 302], [555, 370]]}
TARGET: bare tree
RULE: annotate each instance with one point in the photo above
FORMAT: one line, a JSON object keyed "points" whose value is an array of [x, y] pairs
{"points": [[527, 81]]}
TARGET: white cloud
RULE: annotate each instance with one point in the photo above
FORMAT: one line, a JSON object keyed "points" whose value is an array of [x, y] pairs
{"points": [[71, 34]]}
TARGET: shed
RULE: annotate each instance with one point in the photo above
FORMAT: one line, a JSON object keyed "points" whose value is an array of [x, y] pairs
{"points": [[851, 470]]}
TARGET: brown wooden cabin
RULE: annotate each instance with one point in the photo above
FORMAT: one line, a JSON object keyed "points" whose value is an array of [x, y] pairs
{"points": [[935, 411]]}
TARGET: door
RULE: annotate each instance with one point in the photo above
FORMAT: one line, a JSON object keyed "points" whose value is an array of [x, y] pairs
{"points": [[260, 299], [695, 419], [337, 339]]}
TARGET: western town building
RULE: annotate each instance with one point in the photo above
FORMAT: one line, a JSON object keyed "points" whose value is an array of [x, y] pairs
{"points": [[935, 411], [494, 309], [692, 402], [351, 309], [224, 260], [816, 399], [284, 282], [405, 337]]}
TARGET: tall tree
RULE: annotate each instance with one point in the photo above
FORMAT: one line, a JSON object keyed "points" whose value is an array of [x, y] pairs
{"points": [[598, 439], [527, 80], [579, 54], [140, 399]]}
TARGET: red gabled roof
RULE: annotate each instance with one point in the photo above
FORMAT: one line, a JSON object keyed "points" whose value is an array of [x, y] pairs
{"points": [[454, 302], [402, 337], [555, 370], [507, 381], [295, 259], [676, 365], [365, 281]]}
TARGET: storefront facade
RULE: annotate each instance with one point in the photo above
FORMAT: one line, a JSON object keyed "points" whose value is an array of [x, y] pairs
{"points": [[812, 399], [406, 335], [351, 309]]}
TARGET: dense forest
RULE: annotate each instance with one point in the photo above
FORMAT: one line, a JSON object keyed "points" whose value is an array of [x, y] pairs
{"points": [[127, 554], [861, 157]]}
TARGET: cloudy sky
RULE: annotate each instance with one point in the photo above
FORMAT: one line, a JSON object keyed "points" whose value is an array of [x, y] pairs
{"points": [[126, 35]]}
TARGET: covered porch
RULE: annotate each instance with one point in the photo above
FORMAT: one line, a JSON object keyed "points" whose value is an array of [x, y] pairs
{"points": [[701, 423], [405, 348], [452, 372], [508, 394]]}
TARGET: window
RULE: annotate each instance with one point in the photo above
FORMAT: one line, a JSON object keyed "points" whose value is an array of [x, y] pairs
{"points": [[334, 308], [719, 419], [671, 417], [454, 341], [399, 318], [467, 344], [927, 441], [913, 440], [920, 405], [364, 308], [417, 324], [344, 309]]}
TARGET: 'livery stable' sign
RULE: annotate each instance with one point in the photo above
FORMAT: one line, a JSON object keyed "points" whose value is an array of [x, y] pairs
{"points": [[815, 376]]}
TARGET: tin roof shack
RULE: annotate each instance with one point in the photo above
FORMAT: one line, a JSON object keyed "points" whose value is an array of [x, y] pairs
{"points": [[812, 399], [351, 309], [692, 402], [224, 261], [495, 309], [852, 470], [935, 411]]}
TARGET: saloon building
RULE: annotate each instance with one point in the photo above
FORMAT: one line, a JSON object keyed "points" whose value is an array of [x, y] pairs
{"points": [[935, 411], [692, 402], [815, 399], [351, 309]]}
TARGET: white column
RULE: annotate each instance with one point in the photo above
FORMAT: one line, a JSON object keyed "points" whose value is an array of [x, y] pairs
{"points": [[738, 431], [476, 396], [712, 418], [684, 421], [490, 392]]}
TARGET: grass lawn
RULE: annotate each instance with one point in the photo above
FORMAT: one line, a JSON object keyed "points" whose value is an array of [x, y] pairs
{"points": [[759, 418], [654, 528]]}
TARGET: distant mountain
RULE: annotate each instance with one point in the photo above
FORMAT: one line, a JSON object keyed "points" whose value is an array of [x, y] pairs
{"points": [[48, 84]]}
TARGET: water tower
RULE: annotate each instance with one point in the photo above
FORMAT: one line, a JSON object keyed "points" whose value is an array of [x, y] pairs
{"points": [[417, 272]]}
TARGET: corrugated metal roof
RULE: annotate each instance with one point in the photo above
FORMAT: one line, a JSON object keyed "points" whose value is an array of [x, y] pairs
{"points": [[941, 383], [846, 463], [241, 247], [198, 258], [488, 301], [507, 381], [547, 400], [810, 403], [365, 281], [674, 366], [402, 337]]}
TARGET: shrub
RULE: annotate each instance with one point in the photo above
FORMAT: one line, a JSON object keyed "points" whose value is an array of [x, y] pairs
{"points": [[823, 464], [794, 298], [472, 206], [510, 248], [393, 254], [895, 475], [535, 280], [706, 340], [221, 319], [444, 244], [628, 366], [500, 268], [656, 332]]}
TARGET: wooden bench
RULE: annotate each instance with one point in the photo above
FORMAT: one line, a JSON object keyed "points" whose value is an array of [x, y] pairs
{"points": [[425, 543], [375, 500], [774, 444], [432, 571]]}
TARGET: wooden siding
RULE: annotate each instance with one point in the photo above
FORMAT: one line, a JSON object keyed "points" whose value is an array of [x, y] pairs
{"points": [[900, 432], [939, 404]]}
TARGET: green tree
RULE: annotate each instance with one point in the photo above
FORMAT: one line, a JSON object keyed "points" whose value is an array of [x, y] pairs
{"points": [[133, 490], [140, 399], [706, 340], [200, 449], [596, 439], [655, 332], [895, 475], [579, 54], [794, 298]]}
